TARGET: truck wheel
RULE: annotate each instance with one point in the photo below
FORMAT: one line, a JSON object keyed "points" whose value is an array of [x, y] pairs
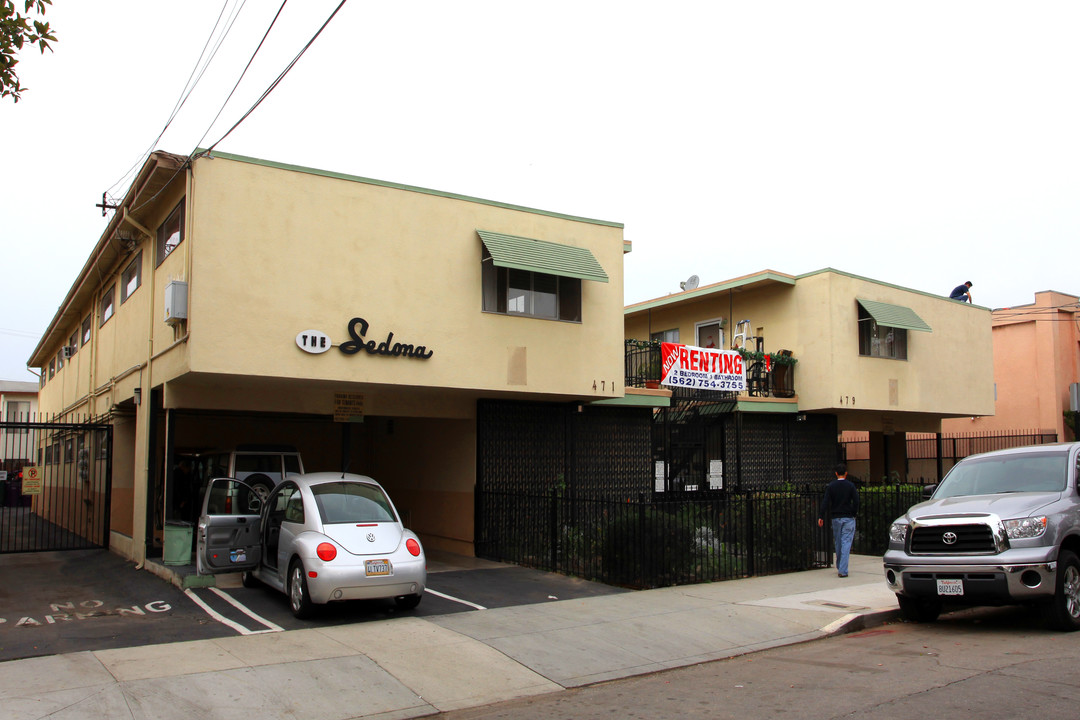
{"points": [[922, 610], [1062, 612]]}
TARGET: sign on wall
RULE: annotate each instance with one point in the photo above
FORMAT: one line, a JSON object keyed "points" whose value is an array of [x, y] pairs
{"points": [[317, 342], [32, 480], [348, 407], [707, 368]]}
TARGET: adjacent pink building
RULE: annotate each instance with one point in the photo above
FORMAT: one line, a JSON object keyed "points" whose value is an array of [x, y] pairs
{"points": [[1036, 359]]}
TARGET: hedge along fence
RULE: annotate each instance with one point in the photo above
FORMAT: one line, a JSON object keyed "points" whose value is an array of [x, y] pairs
{"points": [[879, 506], [676, 539]]}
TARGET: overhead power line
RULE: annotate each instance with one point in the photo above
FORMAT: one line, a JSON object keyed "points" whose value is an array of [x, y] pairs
{"points": [[273, 85], [242, 74], [197, 73]]}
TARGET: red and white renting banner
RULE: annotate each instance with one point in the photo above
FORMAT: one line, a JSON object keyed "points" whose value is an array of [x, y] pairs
{"points": [[689, 366]]}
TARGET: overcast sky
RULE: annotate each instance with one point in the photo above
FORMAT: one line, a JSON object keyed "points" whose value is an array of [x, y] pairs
{"points": [[922, 143]]}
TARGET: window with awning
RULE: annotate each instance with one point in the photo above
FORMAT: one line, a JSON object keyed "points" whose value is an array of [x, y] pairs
{"points": [[537, 278], [883, 329]]}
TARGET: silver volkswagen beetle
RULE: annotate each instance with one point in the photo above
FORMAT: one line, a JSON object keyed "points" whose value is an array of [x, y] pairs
{"points": [[318, 538]]}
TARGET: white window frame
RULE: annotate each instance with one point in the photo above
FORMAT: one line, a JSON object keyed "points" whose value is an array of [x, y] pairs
{"points": [[165, 243], [132, 274], [108, 304], [719, 322]]}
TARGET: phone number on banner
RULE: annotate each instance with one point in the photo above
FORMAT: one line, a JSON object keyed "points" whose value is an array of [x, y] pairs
{"points": [[715, 384]]}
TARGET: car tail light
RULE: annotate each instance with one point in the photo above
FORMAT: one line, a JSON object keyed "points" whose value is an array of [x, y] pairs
{"points": [[413, 547], [326, 552]]}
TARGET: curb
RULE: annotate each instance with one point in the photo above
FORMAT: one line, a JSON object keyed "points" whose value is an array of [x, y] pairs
{"points": [[855, 622]]}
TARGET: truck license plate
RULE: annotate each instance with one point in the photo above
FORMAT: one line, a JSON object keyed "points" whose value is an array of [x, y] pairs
{"points": [[376, 567], [950, 587]]}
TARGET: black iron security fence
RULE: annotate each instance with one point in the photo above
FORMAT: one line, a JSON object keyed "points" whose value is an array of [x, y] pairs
{"points": [[929, 455], [55, 485], [643, 543]]}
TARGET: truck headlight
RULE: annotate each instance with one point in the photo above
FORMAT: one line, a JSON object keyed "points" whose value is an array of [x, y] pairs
{"points": [[1031, 527], [898, 533]]}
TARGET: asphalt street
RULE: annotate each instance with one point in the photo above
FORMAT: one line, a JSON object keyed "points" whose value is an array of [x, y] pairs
{"points": [[985, 662]]}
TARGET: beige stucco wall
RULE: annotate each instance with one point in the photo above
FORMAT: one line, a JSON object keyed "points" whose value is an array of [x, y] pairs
{"points": [[271, 251], [105, 372], [276, 252], [949, 371]]}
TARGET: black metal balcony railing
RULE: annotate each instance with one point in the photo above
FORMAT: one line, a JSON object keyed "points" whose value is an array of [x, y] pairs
{"points": [[643, 370]]}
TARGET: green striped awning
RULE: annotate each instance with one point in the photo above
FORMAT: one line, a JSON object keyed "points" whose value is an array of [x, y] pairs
{"points": [[519, 253], [896, 316]]}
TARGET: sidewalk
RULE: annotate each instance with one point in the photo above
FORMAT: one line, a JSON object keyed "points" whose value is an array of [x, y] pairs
{"points": [[410, 667]]}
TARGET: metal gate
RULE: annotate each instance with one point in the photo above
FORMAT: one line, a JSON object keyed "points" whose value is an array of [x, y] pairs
{"points": [[55, 485]]}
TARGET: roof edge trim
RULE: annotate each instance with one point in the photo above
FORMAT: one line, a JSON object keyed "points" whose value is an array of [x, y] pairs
{"points": [[707, 290], [200, 152]]}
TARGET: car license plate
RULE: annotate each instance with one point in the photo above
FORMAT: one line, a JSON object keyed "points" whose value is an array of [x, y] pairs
{"points": [[950, 587], [376, 567]]}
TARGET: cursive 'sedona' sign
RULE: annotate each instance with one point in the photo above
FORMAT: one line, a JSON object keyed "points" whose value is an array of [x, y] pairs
{"points": [[387, 347]]}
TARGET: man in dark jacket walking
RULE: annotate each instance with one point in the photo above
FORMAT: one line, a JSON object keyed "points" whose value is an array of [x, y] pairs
{"points": [[841, 503]]}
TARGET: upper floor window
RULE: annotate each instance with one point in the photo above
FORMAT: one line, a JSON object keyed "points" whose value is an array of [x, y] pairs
{"points": [[883, 329], [710, 334], [52, 368], [171, 233], [86, 330], [523, 292], [665, 336], [131, 279], [17, 411], [880, 340], [536, 278], [60, 359], [73, 343], [107, 304]]}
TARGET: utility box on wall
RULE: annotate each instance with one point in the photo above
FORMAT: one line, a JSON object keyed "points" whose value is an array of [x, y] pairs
{"points": [[175, 302]]}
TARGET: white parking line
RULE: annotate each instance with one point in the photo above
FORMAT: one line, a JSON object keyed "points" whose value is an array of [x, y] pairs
{"points": [[247, 611], [454, 599], [226, 621]]}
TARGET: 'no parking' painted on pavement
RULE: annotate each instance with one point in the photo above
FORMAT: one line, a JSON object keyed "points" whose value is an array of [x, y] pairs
{"points": [[85, 610]]}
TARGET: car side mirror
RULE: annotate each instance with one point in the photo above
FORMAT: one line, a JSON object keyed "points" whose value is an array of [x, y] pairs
{"points": [[928, 490]]}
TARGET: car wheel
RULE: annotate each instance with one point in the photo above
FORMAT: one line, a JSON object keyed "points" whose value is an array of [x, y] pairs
{"points": [[924, 610], [407, 602], [1062, 612], [299, 600], [249, 580]]}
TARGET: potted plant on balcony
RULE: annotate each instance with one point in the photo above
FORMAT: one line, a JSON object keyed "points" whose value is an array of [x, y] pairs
{"points": [[653, 374], [765, 369]]}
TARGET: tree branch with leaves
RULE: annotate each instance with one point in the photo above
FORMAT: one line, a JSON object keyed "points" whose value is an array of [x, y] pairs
{"points": [[16, 30]]}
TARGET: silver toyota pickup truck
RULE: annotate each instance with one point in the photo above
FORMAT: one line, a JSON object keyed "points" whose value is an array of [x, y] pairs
{"points": [[1002, 528]]}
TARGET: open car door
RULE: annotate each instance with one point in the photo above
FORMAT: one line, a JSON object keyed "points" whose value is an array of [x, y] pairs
{"points": [[229, 537]]}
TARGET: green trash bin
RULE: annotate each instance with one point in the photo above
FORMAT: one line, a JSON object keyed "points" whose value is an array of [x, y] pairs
{"points": [[178, 536]]}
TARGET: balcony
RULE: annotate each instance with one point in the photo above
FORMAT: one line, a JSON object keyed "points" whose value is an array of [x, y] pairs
{"points": [[768, 375]]}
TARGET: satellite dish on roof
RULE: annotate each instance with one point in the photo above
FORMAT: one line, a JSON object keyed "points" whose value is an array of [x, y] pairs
{"points": [[691, 283]]}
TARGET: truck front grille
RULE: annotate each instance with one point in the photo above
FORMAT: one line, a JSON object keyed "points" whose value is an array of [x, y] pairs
{"points": [[966, 539]]}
